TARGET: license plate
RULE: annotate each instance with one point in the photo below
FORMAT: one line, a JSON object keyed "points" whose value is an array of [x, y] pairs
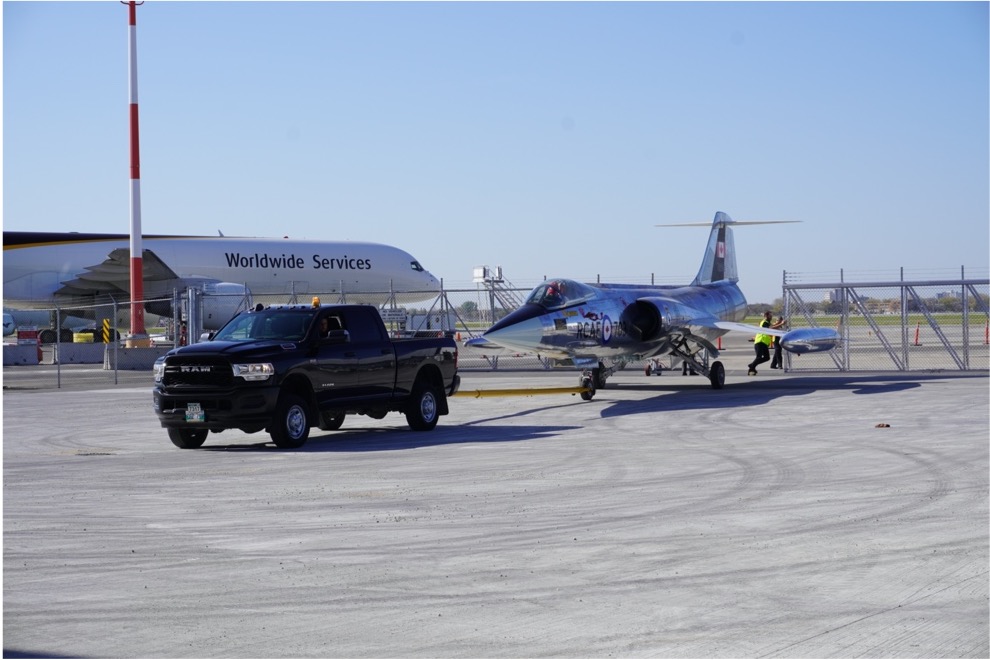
{"points": [[194, 413]]}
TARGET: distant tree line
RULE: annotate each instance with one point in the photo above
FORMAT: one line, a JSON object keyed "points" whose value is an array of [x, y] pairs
{"points": [[942, 304]]}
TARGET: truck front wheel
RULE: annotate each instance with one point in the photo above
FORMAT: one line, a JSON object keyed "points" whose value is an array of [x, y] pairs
{"points": [[290, 426], [187, 438], [424, 408]]}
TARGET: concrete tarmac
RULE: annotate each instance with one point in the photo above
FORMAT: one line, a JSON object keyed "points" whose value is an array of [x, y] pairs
{"points": [[778, 517]]}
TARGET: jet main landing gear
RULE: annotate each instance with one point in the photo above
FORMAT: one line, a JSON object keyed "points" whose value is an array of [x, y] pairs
{"points": [[716, 375], [714, 372]]}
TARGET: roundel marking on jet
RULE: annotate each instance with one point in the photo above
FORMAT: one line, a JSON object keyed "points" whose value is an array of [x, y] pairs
{"points": [[606, 329]]}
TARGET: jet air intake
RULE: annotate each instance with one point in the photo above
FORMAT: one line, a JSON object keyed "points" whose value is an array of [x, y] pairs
{"points": [[649, 319], [642, 321]]}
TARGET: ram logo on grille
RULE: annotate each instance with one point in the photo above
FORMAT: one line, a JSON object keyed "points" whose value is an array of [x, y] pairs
{"points": [[195, 369]]}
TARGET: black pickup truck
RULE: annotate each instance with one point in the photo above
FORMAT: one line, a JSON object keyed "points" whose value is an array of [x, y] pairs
{"points": [[284, 369]]}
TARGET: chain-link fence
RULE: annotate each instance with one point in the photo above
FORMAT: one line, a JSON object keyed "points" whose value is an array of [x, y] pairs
{"points": [[84, 343], [901, 325]]}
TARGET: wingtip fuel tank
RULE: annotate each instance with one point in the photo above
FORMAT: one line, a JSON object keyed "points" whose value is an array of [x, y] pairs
{"points": [[810, 340]]}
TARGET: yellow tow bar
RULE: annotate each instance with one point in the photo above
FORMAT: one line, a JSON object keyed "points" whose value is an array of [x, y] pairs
{"points": [[477, 394]]}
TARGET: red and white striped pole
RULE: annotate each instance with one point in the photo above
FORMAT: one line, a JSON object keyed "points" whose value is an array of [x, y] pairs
{"points": [[138, 336]]}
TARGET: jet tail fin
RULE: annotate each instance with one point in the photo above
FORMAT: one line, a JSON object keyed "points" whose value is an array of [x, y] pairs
{"points": [[720, 254], [719, 262]]}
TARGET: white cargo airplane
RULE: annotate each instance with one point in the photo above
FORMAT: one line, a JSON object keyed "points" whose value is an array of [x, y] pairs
{"points": [[76, 269]]}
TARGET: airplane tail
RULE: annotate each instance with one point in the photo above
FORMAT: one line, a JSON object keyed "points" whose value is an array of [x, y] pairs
{"points": [[719, 263], [720, 255]]}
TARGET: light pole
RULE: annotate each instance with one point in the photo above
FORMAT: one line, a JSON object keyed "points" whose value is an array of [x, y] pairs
{"points": [[138, 336]]}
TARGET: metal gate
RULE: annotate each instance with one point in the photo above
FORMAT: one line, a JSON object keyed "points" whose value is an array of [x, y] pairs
{"points": [[900, 325]]}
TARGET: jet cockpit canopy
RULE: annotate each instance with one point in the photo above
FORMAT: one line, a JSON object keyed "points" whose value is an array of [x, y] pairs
{"points": [[555, 294]]}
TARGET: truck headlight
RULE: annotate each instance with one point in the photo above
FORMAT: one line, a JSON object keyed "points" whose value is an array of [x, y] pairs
{"points": [[159, 369], [257, 371]]}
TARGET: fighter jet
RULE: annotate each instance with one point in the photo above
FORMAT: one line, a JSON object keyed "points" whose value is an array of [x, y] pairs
{"points": [[599, 328]]}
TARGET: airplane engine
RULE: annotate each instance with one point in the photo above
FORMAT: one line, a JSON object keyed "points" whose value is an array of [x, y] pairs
{"points": [[221, 301], [159, 307], [810, 340], [642, 321], [648, 319]]}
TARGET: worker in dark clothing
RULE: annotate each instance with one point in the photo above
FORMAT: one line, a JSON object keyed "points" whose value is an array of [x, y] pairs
{"points": [[778, 358]]}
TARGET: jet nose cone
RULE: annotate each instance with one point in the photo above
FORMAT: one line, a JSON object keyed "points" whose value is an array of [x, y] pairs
{"points": [[524, 335], [521, 330]]}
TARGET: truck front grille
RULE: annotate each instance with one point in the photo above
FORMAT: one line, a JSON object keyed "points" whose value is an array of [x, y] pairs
{"points": [[197, 372]]}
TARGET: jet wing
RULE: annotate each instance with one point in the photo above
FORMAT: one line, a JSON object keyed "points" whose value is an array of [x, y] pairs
{"points": [[799, 341], [113, 275], [745, 327], [482, 346]]}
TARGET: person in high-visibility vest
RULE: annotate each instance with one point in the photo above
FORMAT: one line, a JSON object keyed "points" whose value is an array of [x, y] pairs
{"points": [[761, 343]]}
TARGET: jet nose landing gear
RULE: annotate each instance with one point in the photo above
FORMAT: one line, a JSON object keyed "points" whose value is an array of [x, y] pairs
{"points": [[594, 379], [587, 381]]}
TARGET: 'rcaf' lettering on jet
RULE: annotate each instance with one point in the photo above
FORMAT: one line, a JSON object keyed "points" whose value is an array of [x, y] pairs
{"points": [[256, 260], [599, 327]]}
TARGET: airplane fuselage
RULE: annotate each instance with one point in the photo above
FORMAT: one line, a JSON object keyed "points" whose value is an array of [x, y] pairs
{"points": [[37, 265], [608, 324]]}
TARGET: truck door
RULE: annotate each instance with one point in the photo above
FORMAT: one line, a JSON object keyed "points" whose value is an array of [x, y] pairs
{"points": [[374, 352], [337, 366]]}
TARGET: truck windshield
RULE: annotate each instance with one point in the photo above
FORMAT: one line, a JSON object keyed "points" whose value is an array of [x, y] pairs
{"points": [[554, 294], [275, 325]]}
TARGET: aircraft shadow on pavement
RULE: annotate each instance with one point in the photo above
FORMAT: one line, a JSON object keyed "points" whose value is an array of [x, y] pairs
{"points": [[754, 393], [359, 438], [672, 396], [394, 439], [17, 653]]}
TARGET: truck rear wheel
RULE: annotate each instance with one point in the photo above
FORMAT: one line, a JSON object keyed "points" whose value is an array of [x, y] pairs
{"points": [[424, 408], [290, 426], [187, 438], [333, 422]]}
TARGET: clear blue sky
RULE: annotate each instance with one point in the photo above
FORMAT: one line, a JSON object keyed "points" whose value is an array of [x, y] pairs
{"points": [[548, 138]]}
